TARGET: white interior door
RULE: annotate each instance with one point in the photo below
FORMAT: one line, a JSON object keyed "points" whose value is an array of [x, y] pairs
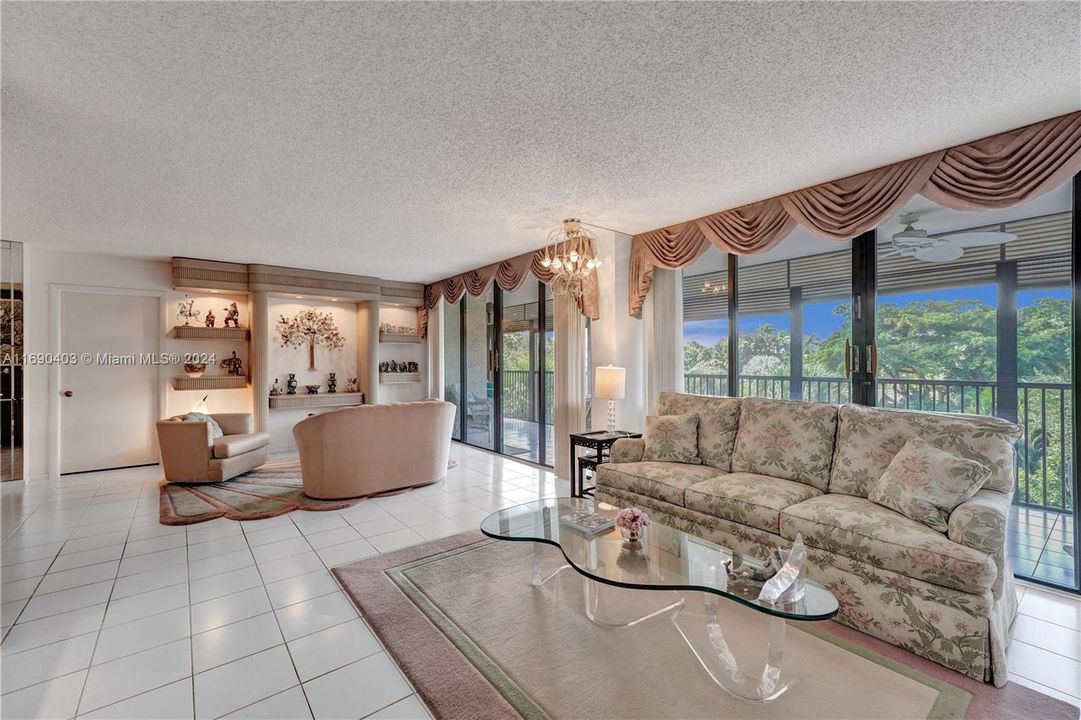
{"points": [[108, 419]]}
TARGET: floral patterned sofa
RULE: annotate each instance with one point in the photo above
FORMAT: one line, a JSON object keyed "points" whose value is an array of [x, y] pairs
{"points": [[773, 468]]}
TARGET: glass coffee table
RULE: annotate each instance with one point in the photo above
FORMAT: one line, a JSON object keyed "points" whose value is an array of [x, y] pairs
{"points": [[668, 561]]}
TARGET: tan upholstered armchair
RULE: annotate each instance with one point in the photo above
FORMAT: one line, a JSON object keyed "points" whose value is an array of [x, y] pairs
{"points": [[190, 455], [372, 449]]}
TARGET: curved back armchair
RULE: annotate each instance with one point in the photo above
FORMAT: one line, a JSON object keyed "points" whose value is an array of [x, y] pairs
{"points": [[373, 449]]}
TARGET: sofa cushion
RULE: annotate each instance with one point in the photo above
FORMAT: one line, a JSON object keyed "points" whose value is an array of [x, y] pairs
{"points": [[869, 438], [659, 480], [672, 438], [925, 484], [233, 445], [860, 530], [747, 498], [718, 420], [786, 439]]}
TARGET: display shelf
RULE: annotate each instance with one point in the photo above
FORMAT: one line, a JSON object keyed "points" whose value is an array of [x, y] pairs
{"points": [[196, 332], [399, 338], [317, 400], [396, 378], [214, 382]]}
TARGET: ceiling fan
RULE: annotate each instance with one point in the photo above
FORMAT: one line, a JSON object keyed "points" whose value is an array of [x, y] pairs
{"points": [[915, 242]]}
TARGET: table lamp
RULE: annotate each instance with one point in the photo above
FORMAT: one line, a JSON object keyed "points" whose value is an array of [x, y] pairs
{"points": [[610, 383]]}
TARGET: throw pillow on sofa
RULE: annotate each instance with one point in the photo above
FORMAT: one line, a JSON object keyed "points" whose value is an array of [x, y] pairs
{"points": [[215, 428], [925, 483], [672, 438]]}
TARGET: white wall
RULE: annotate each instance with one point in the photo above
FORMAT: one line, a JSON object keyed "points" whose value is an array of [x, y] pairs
{"points": [[617, 337], [45, 270]]}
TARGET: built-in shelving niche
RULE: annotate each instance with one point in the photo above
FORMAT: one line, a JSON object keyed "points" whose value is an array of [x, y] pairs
{"points": [[316, 400], [214, 382]]}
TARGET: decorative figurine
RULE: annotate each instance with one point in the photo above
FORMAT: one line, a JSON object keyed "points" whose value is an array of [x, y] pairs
{"points": [[414, 367], [332, 384], [292, 384], [276, 389], [210, 318], [232, 315], [313, 389], [186, 310], [232, 365], [351, 386]]}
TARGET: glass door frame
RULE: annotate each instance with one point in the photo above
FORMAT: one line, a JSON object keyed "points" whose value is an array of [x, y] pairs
{"points": [[494, 372]]}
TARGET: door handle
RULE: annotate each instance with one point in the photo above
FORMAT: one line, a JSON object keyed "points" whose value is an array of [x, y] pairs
{"points": [[68, 393], [848, 358], [873, 348]]}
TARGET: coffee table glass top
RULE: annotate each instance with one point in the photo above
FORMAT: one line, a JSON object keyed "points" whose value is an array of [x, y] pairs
{"points": [[667, 559]]}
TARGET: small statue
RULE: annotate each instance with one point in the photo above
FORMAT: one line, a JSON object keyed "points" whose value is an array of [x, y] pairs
{"points": [[292, 384], [232, 365], [186, 310], [414, 367], [232, 315], [276, 389], [351, 386], [332, 384], [210, 318]]}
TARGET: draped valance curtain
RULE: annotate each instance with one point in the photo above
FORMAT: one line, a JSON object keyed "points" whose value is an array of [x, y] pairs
{"points": [[508, 274], [994, 172]]}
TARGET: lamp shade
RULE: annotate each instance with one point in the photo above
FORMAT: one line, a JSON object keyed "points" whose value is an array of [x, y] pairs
{"points": [[610, 383]]}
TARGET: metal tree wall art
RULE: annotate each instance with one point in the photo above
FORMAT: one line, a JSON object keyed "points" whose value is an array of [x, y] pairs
{"points": [[311, 327]]}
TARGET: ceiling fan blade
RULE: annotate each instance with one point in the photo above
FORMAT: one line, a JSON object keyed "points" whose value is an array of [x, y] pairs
{"points": [[944, 252], [978, 239]]}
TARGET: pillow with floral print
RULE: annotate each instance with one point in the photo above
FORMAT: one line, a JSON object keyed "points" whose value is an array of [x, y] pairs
{"points": [[925, 483], [672, 438]]}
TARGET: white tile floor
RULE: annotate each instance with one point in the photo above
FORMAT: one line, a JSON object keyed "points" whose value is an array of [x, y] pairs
{"points": [[108, 614]]}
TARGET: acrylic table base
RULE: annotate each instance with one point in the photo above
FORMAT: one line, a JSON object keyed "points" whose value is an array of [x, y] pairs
{"points": [[712, 651], [720, 663]]}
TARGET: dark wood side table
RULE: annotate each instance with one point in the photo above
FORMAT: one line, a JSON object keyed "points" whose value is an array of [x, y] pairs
{"points": [[599, 440]]}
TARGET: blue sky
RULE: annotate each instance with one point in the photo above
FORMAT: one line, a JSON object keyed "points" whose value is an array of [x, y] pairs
{"points": [[818, 318]]}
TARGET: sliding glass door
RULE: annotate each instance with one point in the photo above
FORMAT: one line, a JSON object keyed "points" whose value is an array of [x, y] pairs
{"points": [[498, 370], [981, 324]]}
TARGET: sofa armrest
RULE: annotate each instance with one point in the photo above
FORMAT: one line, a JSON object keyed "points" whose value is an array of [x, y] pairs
{"points": [[980, 522], [234, 423], [185, 450], [627, 450]]}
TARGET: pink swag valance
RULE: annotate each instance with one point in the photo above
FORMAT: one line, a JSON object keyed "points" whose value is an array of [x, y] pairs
{"points": [[508, 274], [999, 171]]}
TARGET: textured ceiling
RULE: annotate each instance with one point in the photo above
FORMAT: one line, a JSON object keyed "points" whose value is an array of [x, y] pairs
{"points": [[412, 141]]}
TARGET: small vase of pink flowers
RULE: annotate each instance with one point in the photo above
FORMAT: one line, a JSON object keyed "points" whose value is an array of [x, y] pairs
{"points": [[631, 523]]}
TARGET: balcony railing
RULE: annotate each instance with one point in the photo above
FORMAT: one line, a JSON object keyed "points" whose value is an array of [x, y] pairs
{"points": [[1044, 412], [520, 392]]}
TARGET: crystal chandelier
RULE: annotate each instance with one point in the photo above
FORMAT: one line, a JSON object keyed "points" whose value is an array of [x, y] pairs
{"points": [[569, 255]]}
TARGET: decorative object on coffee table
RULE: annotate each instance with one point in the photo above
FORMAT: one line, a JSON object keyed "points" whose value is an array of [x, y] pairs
{"points": [[631, 523], [599, 440], [313, 328], [610, 383]]}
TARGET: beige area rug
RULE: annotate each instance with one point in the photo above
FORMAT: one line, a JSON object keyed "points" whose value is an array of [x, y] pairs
{"points": [[478, 641], [271, 489]]}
